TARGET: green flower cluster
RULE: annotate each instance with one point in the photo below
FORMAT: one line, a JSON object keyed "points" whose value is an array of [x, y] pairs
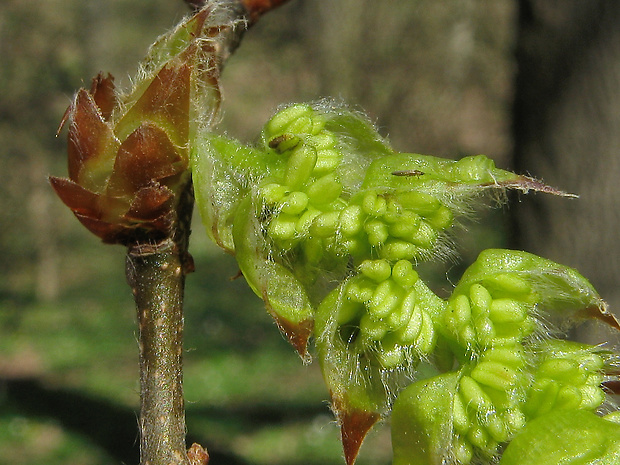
{"points": [[493, 313], [507, 386], [383, 312], [568, 375], [486, 406], [493, 323], [308, 208], [328, 224]]}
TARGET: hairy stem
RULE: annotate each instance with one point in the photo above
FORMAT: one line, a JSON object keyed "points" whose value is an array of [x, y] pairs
{"points": [[156, 274]]}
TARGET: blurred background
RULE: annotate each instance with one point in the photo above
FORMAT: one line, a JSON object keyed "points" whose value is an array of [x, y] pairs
{"points": [[533, 84]]}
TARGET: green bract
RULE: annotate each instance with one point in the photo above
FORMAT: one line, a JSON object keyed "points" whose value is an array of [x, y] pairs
{"points": [[566, 437], [328, 223]]}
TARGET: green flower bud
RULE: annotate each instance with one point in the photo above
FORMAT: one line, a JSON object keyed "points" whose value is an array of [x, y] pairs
{"points": [[327, 160], [402, 315], [496, 427], [374, 205], [507, 311], [372, 329], [360, 290], [325, 224], [299, 166], [325, 140], [377, 270], [495, 375], [324, 190], [561, 381], [591, 397], [283, 227], [384, 300], [441, 219], [508, 284], [427, 337], [351, 220], [409, 333], [405, 226], [284, 142], [294, 204], [398, 250], [287, 119], [404, 274], [273, 193], [425, 237], [462, 423], [479, 438], [422, 204], [306, 220], [474, 396], [377, 233], [462, 451]]}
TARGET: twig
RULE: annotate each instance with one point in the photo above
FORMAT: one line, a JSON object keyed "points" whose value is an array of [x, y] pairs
{"points": [[156, 274]]}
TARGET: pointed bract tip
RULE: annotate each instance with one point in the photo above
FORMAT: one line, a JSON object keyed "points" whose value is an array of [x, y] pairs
{"points": [[526, 184], [354, 426], [601, 312], [297, 335]]}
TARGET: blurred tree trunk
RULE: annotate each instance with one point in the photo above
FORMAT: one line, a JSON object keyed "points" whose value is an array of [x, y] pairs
{"points": [[567, 132]]}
